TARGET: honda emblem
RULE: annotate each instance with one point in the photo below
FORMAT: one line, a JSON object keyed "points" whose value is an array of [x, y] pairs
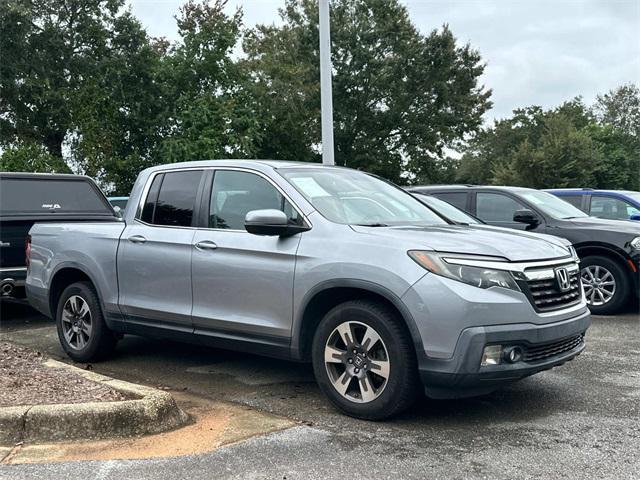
{"points": [[562, 275]]}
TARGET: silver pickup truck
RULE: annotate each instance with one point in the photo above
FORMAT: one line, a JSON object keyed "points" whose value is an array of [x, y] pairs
{"points": [[314, 263]]}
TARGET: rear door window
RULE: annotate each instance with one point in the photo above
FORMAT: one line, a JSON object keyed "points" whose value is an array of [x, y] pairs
{"points": [[457, 199], [29, 196], [176, 197], [575, 200], [149, 206]]}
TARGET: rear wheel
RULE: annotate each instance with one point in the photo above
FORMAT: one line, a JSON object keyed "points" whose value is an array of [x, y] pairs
{"points": [[364, 360], [606, 286], [82, 331]]}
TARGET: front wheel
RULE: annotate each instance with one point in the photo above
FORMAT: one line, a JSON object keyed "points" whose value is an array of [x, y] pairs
{"points": [[82, 331], [606, 286], [364, 360]]}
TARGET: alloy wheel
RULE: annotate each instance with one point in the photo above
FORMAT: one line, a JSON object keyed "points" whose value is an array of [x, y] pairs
{"points": [[599, 285], [357, 362], [76, 322]]}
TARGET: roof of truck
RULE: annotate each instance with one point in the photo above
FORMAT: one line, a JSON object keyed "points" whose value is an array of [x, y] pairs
{"points": [[258, 164], [436, 188]]}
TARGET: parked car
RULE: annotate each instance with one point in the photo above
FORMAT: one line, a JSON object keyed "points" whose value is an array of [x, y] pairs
{"points": [[118, 204], [457, 216], [609, 250], [611, 204], [26, 198], [313, 263]]}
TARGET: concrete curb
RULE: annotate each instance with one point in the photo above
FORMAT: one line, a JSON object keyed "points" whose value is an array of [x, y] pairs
{"points": [[150, 411]]}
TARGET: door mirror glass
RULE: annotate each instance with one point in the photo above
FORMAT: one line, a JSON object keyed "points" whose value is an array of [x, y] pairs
{"points": [[524, 215], [270, 222]]}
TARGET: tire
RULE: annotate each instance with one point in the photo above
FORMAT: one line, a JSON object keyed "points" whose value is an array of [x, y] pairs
{"points": [[367, 394], [84, 336], [597, 273]]}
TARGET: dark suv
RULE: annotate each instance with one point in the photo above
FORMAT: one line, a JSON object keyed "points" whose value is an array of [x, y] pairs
{"points": [[609, 249]]}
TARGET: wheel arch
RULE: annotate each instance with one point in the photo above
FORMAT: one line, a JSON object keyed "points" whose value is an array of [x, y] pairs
{"points": [[633, 277], [593, 249], [322, 298], [64, 276]]}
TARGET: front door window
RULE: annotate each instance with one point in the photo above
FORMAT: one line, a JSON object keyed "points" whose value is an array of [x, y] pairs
{"points": [[237, 193]]}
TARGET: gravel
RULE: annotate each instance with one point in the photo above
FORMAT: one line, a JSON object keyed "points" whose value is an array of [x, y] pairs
{"points": [[25, 380]]}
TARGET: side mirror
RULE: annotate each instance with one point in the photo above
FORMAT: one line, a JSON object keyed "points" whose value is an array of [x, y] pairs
{"points": [[635, 216], [526, 216], [118, 210], [270, 222]]}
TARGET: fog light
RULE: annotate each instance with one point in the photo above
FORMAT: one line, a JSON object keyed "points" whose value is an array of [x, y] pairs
{"points": [[512, 354], [492, 355]]}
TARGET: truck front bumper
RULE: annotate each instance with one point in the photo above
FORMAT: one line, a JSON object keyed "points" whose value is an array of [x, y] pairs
{"points": [[543, 346]]}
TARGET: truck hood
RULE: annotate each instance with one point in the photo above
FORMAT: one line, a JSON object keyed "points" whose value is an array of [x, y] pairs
{"points": [[513, 245], [602, 224]]}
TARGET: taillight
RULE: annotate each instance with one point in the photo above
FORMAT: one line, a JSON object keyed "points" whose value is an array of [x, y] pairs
{"points": [[27, 250]]}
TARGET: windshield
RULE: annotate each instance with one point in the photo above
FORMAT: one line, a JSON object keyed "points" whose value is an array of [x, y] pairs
{"points": [[353, 197], [552, 205], [447, 210]]}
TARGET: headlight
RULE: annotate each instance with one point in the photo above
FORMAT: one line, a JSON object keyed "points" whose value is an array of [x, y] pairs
{"points": [[573, 253], [635, 243], [477, 276]]}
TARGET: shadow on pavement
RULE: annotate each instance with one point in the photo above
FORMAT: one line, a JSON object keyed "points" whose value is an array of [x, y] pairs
{"points": [[17, 314]]}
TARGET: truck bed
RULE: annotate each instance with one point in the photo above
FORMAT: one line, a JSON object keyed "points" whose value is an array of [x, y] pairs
{"points": [[80, 245]]}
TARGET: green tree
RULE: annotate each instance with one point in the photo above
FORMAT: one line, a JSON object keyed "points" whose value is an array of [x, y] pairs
{"points": [[77, 77], [213, 115], [121, 110], [563, 156], [620, 108], [619, 167], [400, 97], [31, 158], [561, 147], [49, 48], [83, 78]]}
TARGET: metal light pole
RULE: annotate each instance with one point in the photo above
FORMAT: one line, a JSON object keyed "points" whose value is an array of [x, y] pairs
{"points": [[326, 94]]}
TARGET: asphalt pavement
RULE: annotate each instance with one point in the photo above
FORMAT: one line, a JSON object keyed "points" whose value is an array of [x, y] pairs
{"points": [[581, 420]]}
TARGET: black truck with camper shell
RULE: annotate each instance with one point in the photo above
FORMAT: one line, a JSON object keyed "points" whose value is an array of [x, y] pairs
{"points": [[27, 198]]}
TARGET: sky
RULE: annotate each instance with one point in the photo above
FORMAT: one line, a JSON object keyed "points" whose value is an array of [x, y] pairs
{"points": [[538, 52]]}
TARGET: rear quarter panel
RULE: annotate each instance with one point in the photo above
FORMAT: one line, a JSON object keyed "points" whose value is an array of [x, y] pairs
{"points": [[90, 247]]}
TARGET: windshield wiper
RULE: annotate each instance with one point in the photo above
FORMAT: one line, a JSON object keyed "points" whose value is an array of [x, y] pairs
{"points": [[372, 225]]}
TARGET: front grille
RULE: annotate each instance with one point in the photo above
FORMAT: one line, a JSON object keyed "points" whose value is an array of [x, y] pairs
{"points": [[547, 296], [536, 353]]}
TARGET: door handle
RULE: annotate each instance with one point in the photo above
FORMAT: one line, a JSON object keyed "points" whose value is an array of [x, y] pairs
{"points": [[137, 239], [206, 245]]}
